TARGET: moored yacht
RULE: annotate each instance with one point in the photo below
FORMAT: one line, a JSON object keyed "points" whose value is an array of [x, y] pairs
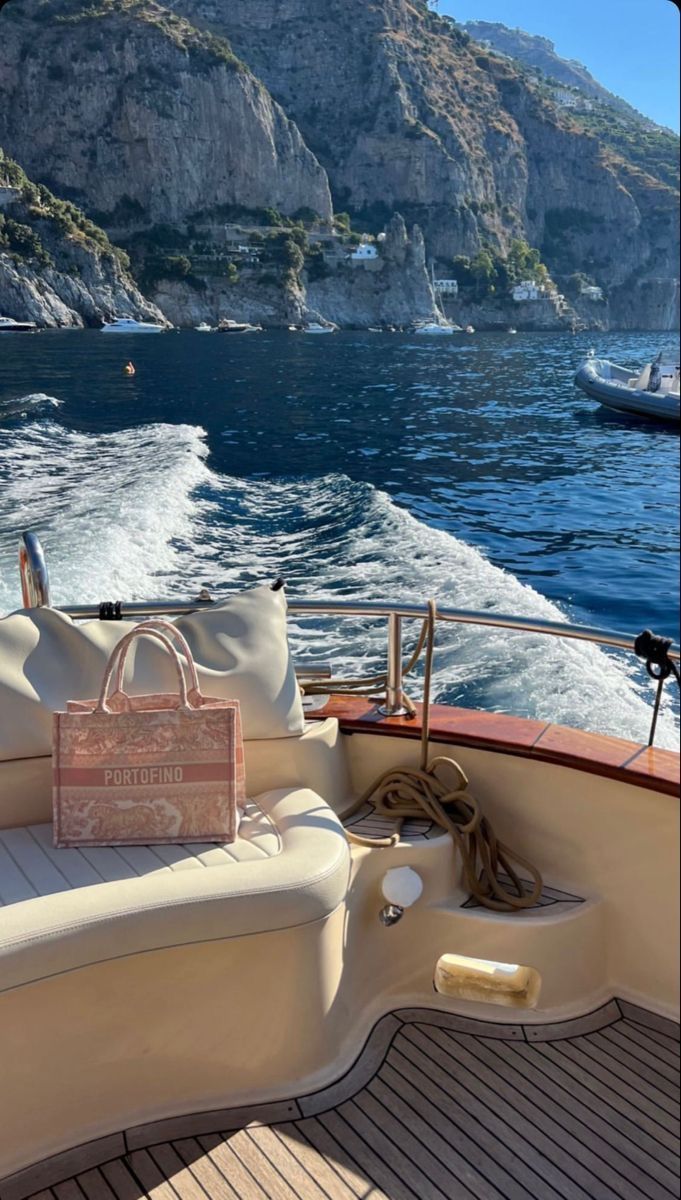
{"points": [[436, 328], [9, 325], [367, 993], [131, 325], [229, 326], [317, 327]]}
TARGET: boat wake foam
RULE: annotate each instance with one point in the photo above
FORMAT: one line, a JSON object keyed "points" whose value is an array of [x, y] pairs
{"points": [[112, 511], [139, 514], [24, 406]]}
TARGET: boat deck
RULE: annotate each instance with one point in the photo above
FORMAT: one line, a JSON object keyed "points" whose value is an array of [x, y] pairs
{"points": [[437, 1107]]}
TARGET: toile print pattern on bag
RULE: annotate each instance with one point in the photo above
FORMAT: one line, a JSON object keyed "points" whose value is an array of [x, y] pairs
{"points": [[131, 770]]}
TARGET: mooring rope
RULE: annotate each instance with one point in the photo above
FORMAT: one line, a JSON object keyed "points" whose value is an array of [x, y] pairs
{"points": [[438, 790]]}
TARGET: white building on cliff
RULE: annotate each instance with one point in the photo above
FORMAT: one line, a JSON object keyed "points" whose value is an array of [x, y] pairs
{"points": [[446, 287], [591, 292], [364, 253], [527, 289]]}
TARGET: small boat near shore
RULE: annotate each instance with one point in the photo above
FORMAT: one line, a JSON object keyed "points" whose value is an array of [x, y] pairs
{"points": [[652, 393], [130, 325], [204, 327], [9, 325], [228, 326], [316, 327], [436, 328]]}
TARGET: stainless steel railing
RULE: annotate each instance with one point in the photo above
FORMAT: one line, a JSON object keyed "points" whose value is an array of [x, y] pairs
{"points": [[35, 592], [35, 580]]}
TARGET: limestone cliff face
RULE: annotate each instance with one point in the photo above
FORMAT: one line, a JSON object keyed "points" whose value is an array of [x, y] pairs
{"points": [[152, 114], [393, 290], [126, 108], [53, 297], [398, 112], [248, 300], [406, 113]]}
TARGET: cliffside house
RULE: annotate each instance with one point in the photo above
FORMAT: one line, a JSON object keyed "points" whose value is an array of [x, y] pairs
{"points": [[446, 287], [590, 292], [527, 289], [566, 99], [365, 252]]}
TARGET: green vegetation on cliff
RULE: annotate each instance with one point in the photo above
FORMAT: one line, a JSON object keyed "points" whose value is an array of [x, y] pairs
{"points": [[491, 273], [47, 218], [654, 150], [200, 43]]}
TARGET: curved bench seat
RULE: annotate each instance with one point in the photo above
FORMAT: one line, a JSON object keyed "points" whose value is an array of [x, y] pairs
{"points": [[64, 909]]}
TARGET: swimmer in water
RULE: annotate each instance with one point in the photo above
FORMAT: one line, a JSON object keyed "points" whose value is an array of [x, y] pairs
{"points": [[128, 369]]}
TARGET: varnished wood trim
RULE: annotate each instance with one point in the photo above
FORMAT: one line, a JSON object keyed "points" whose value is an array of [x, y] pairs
{"points": [[612, 758]]}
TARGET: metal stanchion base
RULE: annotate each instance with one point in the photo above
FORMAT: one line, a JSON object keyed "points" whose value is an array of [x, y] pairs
{"points": [[399, 711]]}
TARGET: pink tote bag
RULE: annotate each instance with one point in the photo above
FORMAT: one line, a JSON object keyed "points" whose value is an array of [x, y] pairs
{"points": [[141, 770]]}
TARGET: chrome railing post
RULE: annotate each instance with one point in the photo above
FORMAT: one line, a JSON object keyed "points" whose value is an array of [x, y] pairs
{"points": [[394, 706], [35, 580]]}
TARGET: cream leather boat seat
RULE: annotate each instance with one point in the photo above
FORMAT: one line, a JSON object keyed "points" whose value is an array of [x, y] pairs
{"points": [[64, 909]]}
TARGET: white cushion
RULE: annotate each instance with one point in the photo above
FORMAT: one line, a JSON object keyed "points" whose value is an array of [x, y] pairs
{"points": [[65, 909], [240, 647]]}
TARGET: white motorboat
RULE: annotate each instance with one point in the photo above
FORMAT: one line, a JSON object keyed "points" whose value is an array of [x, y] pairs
{"points": [[359, 995], [316, 327], [130, 325], [203, 328], [229, 326], [652, 392], [436, 328], [9, 325]]}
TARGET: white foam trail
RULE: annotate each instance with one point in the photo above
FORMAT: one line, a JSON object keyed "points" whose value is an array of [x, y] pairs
{"points": [[138, 514], [22, 406], [333, 537], [111, 510]]}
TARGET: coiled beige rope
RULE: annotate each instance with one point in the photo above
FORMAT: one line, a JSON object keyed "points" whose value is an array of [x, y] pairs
{"points": [[439, 790]]}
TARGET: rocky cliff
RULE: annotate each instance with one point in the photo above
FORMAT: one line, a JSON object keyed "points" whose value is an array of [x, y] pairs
{"points": [[56, 267], [127, 109], [540, 53], [406, 112], [148, 115], [393, 290]]}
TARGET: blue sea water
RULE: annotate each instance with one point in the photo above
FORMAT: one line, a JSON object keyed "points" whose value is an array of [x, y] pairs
{"points": [[362, 465]]}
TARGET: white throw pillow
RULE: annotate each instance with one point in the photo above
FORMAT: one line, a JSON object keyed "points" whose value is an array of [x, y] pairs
{"points": [[240, 648]]}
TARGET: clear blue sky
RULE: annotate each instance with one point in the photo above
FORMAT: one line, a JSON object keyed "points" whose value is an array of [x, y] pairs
{"points": [[630, 46]]}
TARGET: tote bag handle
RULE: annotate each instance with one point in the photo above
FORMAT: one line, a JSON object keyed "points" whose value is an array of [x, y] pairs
{"points": [[173, 632], [119, 655]]}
